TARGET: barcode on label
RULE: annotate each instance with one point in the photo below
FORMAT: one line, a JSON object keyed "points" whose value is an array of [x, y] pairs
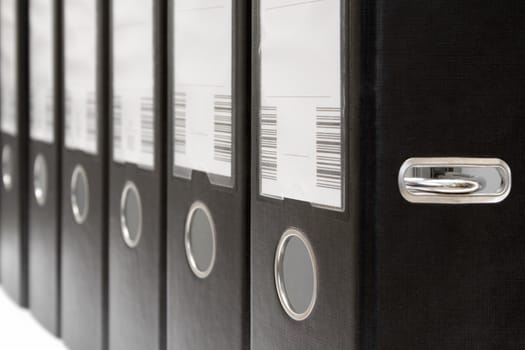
{"points": [[268, 141], [222, 127], [328, 148], [180, 123], [91, 112], [147, 137], [117, 122]]}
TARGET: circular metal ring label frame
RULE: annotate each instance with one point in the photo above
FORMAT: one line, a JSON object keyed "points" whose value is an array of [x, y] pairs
{"points": [[199, 206], [79, 174], [7, 167], [129, 188], [40, 184], [280, 284]]}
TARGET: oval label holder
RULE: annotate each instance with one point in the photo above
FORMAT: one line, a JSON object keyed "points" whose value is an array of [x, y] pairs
{"points": [[79, 194], [40, 184], [295, 273], [131, 215], [7, 167], [200, 240]]}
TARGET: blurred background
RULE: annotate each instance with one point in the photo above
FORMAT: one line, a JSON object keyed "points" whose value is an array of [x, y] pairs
{"points": [[19, 330]]}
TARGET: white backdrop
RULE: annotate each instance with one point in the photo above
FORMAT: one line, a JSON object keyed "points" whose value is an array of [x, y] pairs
{"points": [[19, 331]]}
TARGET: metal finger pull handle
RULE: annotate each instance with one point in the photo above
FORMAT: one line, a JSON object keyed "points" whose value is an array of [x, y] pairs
{"points": [[448, 184], [454, 180]]}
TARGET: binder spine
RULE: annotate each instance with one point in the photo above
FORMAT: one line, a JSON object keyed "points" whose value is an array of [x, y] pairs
{"points": [[23, 144], [84, 252], [136, 314], [59, 125], [23, 137], [242, 58], [161, 103], [44, 186], [199, 297], [333, 232], [451, 274], [104, 83], [15, 203], [362, 72]]}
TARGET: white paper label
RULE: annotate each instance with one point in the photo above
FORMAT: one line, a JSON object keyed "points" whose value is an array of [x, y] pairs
{"points": [[203, 86], [300, 114], [42, 71], [80, 29], [9, 67], [133, 114]]}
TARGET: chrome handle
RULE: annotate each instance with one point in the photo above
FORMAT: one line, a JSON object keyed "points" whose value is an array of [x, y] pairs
{"points": [[454, 180], [455, 184]]}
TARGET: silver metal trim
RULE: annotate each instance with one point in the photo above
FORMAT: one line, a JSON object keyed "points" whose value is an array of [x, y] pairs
{"points": [[470, 195], [198, 205], [455, 185], [40, 193], [7, 167], [130, 242], [79, 171], [279, 274]]}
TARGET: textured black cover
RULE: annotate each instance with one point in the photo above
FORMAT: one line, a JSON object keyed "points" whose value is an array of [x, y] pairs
{"points": [[449, 82], [84, 246], [44, 222], [137, 277], [334, 236], [427, 79], [13, 222], [213, 313]]}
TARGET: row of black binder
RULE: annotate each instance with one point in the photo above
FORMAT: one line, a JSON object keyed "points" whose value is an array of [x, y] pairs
{"points": [[265, 174]]}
